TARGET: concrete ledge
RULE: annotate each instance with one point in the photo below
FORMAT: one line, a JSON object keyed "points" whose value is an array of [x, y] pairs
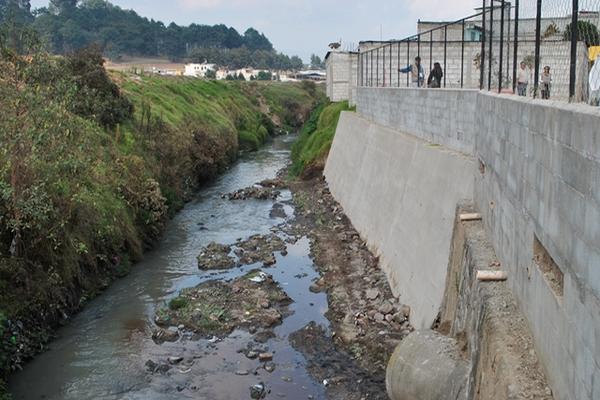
{"points": [[486, 318]]}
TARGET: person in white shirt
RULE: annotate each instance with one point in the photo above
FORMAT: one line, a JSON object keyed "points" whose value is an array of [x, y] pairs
{"points": [[523, 80]]}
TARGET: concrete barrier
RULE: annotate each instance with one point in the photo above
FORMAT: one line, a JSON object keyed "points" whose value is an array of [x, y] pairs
{"points": [[401, 194]]}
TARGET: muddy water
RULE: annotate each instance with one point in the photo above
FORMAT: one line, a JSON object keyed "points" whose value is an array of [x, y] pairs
{"points": [[102, 352]]}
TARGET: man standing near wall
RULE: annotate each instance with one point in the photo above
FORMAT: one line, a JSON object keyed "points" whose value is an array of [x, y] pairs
{"points": [[523, 80], [416, 71]]}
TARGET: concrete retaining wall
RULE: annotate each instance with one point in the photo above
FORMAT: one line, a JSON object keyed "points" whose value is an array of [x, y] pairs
{"points": [[542, 178], [447, 120], [401, 194], [539, 177]]}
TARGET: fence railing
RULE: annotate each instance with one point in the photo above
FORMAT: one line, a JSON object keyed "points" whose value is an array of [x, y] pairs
{"points": [[539, 48]]}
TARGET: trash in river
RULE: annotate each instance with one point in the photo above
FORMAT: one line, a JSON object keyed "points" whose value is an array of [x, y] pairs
{"points": [[259, 277]]}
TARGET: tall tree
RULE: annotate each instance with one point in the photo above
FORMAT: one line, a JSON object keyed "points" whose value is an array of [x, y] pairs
{"points": [[17, 11], [256, 41], [587, 32], [63, 6], [315, 62]]}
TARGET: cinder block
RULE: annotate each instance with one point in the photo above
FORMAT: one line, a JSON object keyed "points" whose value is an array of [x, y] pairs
{"points": [[574, 168]]}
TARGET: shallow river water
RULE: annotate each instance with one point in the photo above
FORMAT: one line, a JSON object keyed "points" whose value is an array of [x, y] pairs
{"points": [[101, 353]]}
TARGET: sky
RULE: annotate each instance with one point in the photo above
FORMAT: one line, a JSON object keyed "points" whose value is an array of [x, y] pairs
{"points": [[303, 27]]}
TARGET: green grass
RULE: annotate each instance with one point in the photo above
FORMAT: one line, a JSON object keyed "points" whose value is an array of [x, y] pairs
{"points": [[316, 137], [219, 107]]}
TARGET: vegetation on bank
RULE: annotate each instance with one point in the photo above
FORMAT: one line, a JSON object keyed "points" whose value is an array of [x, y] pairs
{"points": [[91, 167], [310, 151]]}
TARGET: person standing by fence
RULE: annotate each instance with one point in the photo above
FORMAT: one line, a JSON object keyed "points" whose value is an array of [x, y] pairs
{"points": [[416, 71], [523, 79], [435, 76], [546, 80]]}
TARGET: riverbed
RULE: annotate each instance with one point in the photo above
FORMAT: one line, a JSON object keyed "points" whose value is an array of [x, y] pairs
{"points": [[102, 352]]}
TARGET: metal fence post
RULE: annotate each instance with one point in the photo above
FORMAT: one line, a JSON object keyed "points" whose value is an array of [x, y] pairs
{"points": [[408, 61], [574, 40], [462, 55], [445, 50], [371, 59], [538, 38], [430, 50], [501, 54], [391, 45], [482, 54], [491, 50], [516, 46], [383, 67], [359, 70], [399, 64], [377, 66], [508, 21]]}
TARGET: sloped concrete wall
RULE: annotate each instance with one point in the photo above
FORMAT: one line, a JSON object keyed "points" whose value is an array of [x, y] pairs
{"points": [[541, 179], [401, 194]]}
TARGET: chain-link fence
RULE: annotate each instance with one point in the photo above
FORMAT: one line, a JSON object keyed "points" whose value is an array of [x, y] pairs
{"points": [[541, 48]]}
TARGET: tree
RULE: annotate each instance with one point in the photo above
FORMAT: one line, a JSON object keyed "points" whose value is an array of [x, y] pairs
{"points": [[210, 74], [256, 41], [296, 63], [69, 25], [587, 32], [16, 11], [63, 6], [264, 76], [98, 97], [315, 62], [241, 77]]}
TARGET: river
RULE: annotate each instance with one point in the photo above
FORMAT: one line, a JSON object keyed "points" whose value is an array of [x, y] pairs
{"points": [[101, 352]]}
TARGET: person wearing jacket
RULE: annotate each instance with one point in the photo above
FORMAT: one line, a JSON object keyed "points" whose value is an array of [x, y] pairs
{"points": [[435, 76], [417, 73]]}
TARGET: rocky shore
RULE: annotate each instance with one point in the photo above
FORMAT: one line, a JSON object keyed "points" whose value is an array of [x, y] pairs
{"points": [[366, 322]]}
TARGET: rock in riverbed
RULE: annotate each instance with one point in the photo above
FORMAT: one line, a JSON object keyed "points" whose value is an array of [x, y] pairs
{"points": [[255, 249], [217, 308], [253, 192], [216, 256]]}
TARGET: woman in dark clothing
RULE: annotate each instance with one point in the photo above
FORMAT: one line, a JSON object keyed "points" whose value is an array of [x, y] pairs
{"points": [[435, 76]]}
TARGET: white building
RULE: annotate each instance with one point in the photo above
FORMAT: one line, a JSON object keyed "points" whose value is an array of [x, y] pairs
{"points": [[198, 70]]}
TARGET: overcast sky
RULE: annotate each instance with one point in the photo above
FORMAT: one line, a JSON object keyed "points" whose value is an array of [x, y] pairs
{"points": [[303, 27]]}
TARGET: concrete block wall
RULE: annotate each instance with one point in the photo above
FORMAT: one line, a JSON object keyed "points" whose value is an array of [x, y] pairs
{"points": [[541, 178], [341, 75], [447, 120]]}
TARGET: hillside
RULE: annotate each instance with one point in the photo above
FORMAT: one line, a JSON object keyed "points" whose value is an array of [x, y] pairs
{"points": [[69, 25]]}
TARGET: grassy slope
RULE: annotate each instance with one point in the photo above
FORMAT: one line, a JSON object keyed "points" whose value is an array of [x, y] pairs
{"points": [[312, 147], [219, 106]]}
